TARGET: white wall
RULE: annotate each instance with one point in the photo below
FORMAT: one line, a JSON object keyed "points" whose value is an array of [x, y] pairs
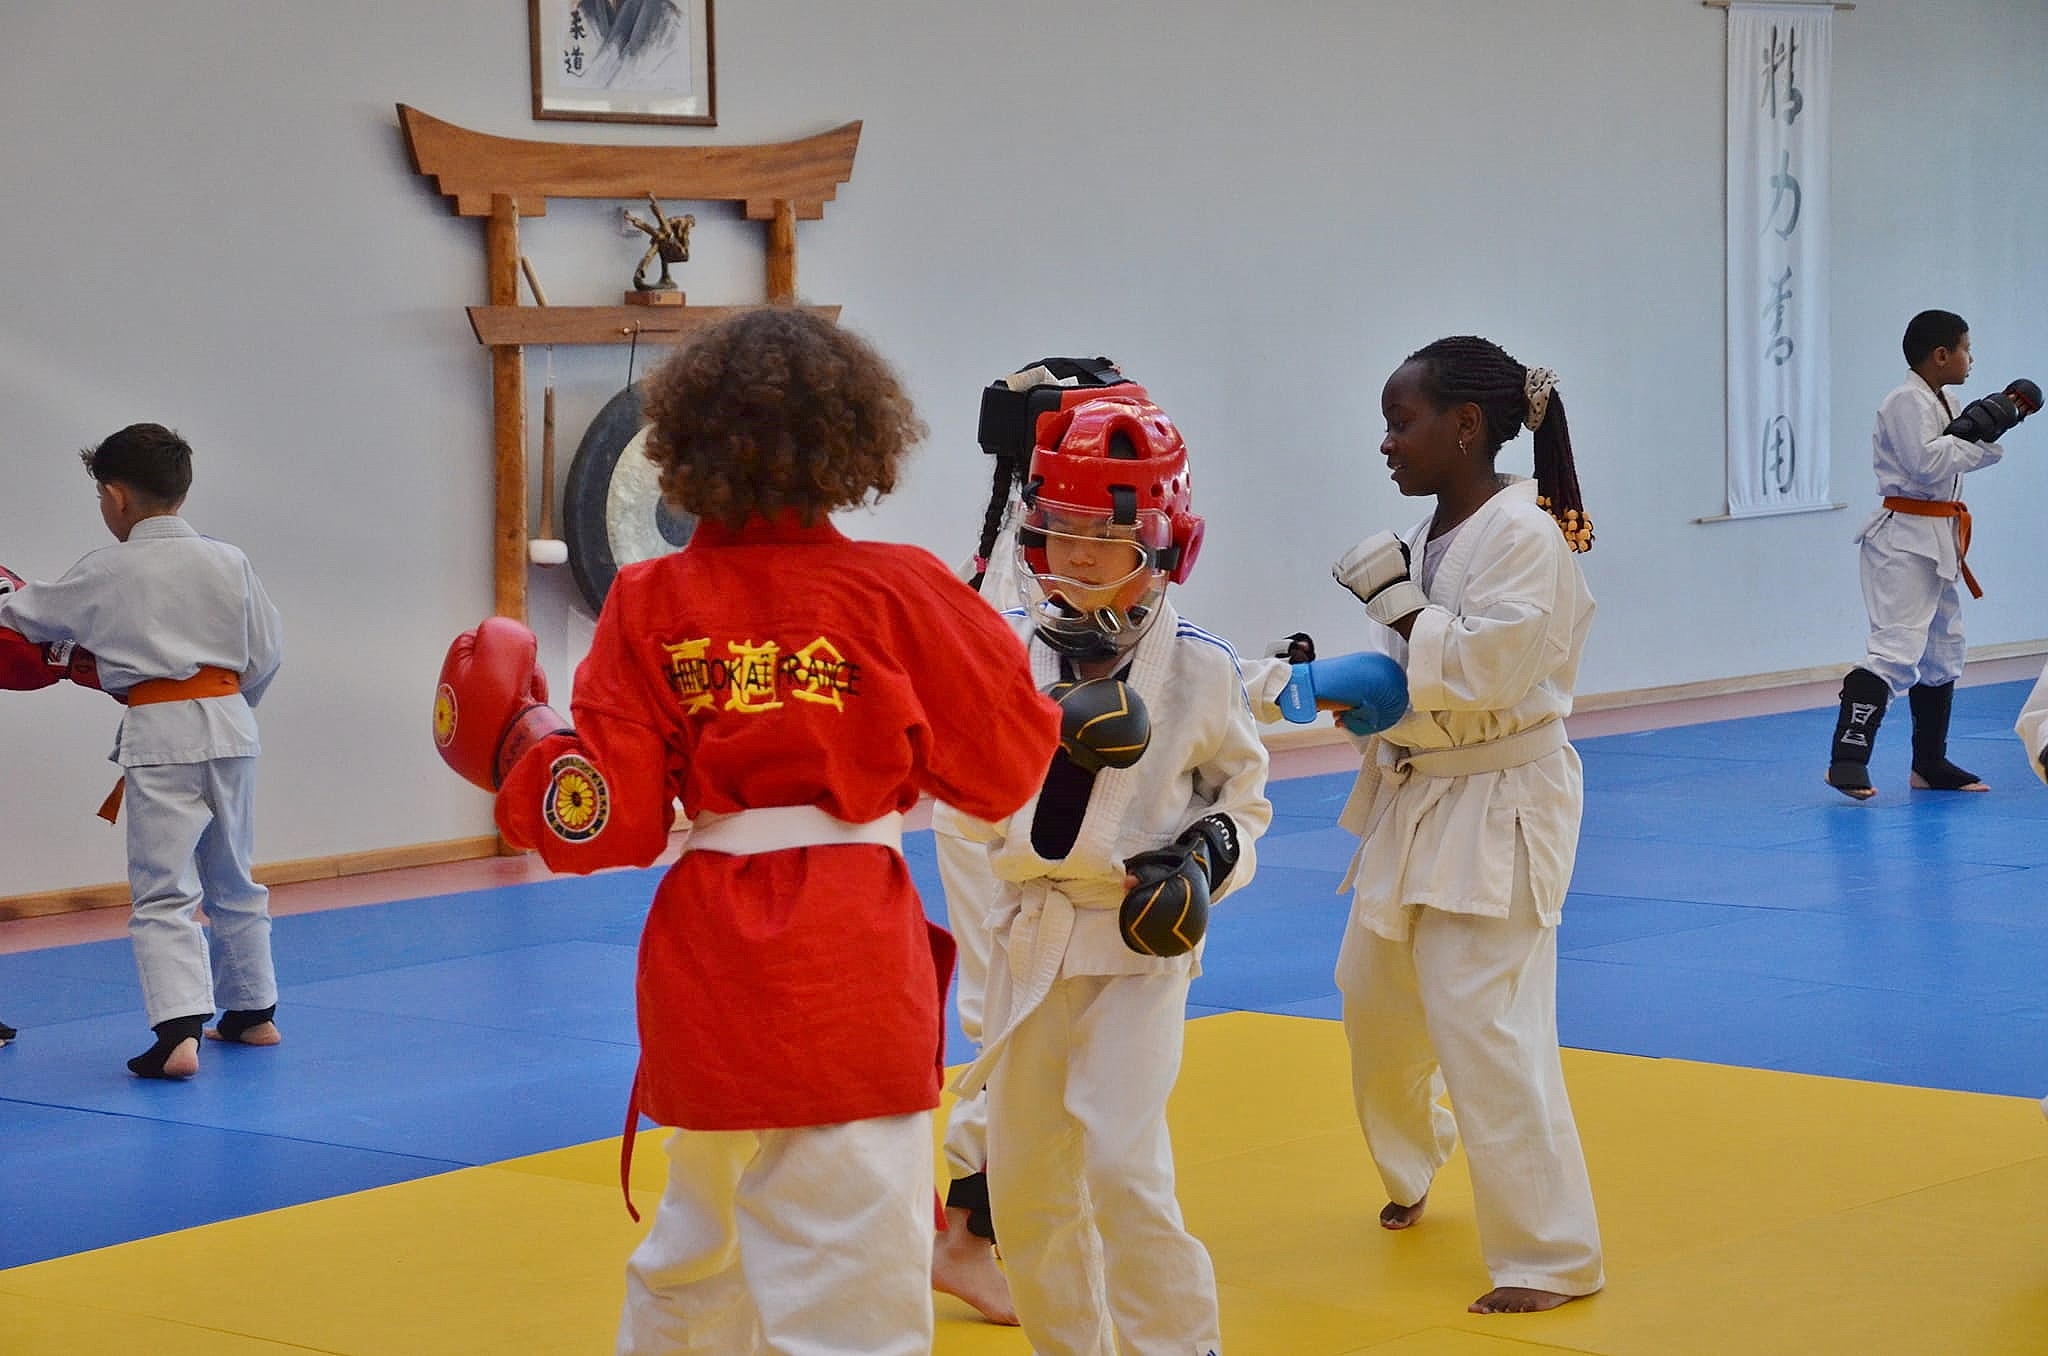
{"points": [[1258, 209]]}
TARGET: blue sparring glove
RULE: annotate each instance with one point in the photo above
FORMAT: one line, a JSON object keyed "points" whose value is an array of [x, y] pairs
{"points": [[1365, 689]]}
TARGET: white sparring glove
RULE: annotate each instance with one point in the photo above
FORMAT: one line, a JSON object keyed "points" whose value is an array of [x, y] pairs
{"points": [[1377, 571]]}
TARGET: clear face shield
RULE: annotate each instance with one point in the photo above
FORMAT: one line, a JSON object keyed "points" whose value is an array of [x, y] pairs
{"points": [[1091, 586]]}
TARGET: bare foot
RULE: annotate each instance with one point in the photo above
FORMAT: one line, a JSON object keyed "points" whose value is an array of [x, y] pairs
{"points": [[1516, 1299], [263, 1033], [964, 1266], [1402, 1216]]}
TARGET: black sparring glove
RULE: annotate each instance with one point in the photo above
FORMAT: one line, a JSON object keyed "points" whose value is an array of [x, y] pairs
{"points": [[1989, 418], [1103, 723], [1167, 912], [1299, 648]]}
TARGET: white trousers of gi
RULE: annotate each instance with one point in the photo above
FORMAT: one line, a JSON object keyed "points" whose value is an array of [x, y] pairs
{"points": [[814, 1241], [971, 890], [1916, 619], [1081, 1179], [191, 836], [1470, 1004]]}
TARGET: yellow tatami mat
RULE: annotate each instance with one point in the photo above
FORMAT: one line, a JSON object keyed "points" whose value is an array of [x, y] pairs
{"points": [[1744, 1212]]}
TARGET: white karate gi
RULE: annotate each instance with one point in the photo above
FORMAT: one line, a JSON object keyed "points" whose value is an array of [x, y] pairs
{"points": [[1469, 808], [971, 890], [1084, 1035], [2032, 726], [164, 604], [1909, 564]]}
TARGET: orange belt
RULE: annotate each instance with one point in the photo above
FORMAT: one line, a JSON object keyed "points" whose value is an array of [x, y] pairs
{"points": [[1943, 508], [208, 682]]}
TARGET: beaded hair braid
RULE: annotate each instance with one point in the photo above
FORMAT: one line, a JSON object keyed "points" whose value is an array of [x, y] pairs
{"points": [[1465, 369]]}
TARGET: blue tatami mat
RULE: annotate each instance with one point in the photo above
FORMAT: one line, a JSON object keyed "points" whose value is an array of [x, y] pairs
{"points": [[1728, 907]]}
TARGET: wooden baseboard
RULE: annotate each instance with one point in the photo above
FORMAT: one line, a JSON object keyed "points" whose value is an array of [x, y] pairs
{"points": [[268, 873], [1763, 682], [1278, 740]]}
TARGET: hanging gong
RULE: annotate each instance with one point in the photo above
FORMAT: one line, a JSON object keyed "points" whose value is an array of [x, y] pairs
{"points": [[612, 510]]}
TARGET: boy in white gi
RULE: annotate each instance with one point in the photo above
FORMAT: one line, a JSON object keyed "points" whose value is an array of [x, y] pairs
{"points": [[963, 1261], [1469, 810], [963, 1255], [187, 638], [1913, 549], [1087, 983]]}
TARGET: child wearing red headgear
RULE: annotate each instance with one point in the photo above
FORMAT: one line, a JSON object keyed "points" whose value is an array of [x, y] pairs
{"points": [[1103, 883]]}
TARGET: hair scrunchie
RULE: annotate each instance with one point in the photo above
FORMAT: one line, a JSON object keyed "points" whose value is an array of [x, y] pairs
{"points": [[1537, 386]]}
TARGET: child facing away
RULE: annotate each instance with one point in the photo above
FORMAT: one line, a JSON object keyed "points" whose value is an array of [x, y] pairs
{"points": [[185, 636], [1912, 550], [797, 691], [1468, 809], [1088, 972]]}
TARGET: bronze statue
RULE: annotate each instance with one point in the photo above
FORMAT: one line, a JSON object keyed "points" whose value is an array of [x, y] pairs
{"points": [[671, 245]]}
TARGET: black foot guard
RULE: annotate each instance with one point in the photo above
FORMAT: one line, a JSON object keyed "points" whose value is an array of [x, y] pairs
{"points": [[1850, 778], [169, 1036], [1944, 776], [236, 1021]]}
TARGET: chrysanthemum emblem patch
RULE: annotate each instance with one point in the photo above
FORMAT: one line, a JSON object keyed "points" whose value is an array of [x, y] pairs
{"points": [[444, 715], [577, 802]]}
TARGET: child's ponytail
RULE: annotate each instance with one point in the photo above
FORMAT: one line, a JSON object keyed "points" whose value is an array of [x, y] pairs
{"points": [[1510, 397]]}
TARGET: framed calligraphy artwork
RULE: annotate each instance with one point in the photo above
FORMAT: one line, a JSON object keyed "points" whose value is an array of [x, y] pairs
{"points": [[623, 61]]}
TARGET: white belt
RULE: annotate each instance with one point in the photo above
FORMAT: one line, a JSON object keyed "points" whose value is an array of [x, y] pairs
{"points": [[1495, 755], [773, 828]]}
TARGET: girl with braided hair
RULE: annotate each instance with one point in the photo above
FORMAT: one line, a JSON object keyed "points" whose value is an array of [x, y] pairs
{"points": [[1468, 809]]}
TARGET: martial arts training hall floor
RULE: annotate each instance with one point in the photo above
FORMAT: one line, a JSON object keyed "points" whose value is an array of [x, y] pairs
{"points": [[1807, 1042]]}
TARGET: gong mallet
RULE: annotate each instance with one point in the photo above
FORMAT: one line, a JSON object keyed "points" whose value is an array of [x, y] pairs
{"points": [[546, 549]]}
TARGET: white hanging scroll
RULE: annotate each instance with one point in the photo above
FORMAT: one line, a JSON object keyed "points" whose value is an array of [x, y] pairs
{"points": [[1778, 367]]}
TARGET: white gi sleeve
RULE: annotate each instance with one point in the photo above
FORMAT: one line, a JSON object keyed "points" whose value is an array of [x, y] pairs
{"points": [[265, 636], [1231, 778], [1911, 427], [1509, 637]]}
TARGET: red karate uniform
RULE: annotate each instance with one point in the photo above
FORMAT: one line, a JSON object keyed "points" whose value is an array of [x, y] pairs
{"points": [[778, 665]]}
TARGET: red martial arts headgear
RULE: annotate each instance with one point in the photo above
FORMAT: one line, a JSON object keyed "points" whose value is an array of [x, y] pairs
{"points": [[1108, 520]]}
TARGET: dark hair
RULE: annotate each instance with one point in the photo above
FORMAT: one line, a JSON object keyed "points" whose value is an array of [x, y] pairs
{"points": [[148, 458], [1008, 430], [1929, 331], [1465, 369], [777, 409]]}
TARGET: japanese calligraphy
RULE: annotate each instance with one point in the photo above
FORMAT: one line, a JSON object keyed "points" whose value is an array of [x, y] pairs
{"points": [[1781, 453], [1782, 183], [1780, 347], [1781, 52]]}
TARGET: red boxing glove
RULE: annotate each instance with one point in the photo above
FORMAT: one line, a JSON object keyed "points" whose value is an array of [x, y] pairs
{"points": [[491, 705], [24, 666], [72, 660]]}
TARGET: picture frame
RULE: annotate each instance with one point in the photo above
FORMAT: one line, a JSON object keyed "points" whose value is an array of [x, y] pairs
{"points": [[623, 61]]}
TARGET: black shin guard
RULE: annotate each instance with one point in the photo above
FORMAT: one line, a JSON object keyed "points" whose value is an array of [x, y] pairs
{"points": [[1931, 707], [235, 1021], [1864, 696], [169, 1036], [971, 1194]]}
